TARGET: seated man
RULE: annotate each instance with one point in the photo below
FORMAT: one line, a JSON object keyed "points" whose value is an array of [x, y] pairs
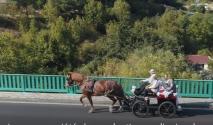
{"points": [[149, 85]]}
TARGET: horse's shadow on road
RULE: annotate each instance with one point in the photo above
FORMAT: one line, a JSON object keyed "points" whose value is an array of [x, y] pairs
{"points": [[102, 109], [106, 109]]}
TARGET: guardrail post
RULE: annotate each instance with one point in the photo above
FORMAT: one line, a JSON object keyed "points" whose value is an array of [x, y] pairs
{"points": [[211, 89], [23, 82]]}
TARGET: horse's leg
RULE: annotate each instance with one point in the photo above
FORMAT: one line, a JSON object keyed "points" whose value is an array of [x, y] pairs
{"points": [[81, 100], [91, 103], [120, 107], [113, 102]]}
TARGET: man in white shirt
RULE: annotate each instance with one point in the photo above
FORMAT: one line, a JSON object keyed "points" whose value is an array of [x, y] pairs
{"points": [[152, 83], [152, 80], [147, 84]]}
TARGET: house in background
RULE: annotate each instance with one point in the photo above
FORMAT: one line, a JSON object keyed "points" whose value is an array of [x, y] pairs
{"points": [[198, 62]]}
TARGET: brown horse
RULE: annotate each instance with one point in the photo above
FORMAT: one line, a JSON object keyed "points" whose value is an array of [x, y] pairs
{"points": [[109, 88]]}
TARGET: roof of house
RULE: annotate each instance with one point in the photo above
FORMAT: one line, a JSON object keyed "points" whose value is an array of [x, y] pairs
{"points": [[197, 59]]}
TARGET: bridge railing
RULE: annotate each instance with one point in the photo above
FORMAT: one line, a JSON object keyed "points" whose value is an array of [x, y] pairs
{"points": [[195, 88], [55, 84], [35, 83]]}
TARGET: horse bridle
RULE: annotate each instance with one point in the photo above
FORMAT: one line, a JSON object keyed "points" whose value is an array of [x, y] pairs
{"points": [[69, 79]]}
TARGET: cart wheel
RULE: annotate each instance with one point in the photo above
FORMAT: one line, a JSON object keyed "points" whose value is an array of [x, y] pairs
{"points": [[167, 109], [140, 109]]}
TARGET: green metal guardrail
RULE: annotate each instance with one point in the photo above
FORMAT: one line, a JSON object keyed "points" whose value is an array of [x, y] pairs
{"points": [[55, 83], [35, 83], [195, 88]]}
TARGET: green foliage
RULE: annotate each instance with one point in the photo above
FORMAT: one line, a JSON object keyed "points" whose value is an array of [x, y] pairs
{"points": [[121, 10], [61, 45], [103, 37], [50, 10], [210, 65], [200, 30], [7, 55], [143, 32], [87, 52], [81, 30], [69, 9], [146, 8], [94, 12], [34, 54], [37, 4], [200, 9], [141, 61], [118, 42], [171, 30]]}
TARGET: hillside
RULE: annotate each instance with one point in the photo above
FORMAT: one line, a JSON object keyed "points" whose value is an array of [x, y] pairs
{"points": [[104, 37]]}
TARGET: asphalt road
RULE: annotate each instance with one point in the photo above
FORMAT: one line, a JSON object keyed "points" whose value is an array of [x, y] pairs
{"points": [[49, 114]]}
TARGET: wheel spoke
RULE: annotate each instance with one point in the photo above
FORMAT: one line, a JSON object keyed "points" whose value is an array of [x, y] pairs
{"points": [[167, 109], [140, 109]]}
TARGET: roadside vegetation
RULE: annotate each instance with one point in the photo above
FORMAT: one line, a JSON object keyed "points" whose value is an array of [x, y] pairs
{"points": [[103, 37]]}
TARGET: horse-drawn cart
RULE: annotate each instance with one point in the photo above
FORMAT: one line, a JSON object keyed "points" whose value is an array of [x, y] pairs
{"points": [[142, 107]]}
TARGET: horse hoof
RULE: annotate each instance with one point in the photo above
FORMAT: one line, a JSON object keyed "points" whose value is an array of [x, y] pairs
{"points": [[110, 109], [91, 111]]}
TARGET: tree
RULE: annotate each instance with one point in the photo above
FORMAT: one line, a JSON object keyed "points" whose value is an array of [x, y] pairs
{"points": [[138, 63], [29, 6], [81, 30], [200, 31], [50, 10], [94, 12], [37, 4], [146, 8], [117, 43], [171, 29], [7, 55], [143, 32], [61, 45], [70, 9], [121, 10], [33, 53]]}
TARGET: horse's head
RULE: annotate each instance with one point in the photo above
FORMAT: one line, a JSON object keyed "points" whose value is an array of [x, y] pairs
{"points": [[69, 80], [74, 77]]}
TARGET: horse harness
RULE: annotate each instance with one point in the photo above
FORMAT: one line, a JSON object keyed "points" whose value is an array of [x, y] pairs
{"points": [[90, 85]]}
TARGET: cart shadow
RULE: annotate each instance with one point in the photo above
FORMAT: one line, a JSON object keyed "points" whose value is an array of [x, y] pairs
{"points": [[189, 110], [195, 109], [194, 112]]}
